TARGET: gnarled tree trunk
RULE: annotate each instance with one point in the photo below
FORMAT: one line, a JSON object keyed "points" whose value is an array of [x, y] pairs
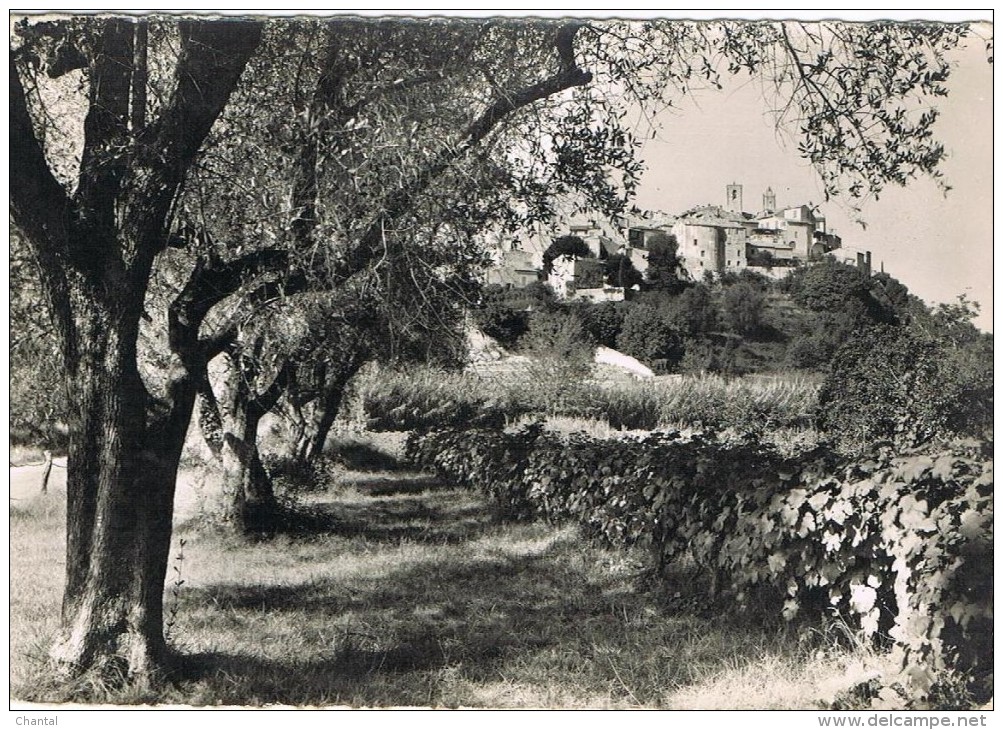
{"points": [[95, 251], [248, 496], [326, 410], [248, 499], [122, 469]]}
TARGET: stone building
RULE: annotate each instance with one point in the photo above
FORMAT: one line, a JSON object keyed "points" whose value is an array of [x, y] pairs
{"points": [[515, 269], [711, 239]]}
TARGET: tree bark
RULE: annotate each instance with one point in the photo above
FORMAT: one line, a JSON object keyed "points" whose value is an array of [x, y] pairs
{"points": [[249, 499], [249, 503], [121, 474], [46, 470]]}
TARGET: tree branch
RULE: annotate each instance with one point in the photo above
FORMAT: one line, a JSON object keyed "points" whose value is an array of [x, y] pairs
{"points": [[209, 284], [214, 54], [40, 209], [568, 76], [266, 401], [103, 160]]}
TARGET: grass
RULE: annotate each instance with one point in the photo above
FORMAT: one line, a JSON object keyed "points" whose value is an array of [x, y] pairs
{"points": [[37, 558], [425, 398], [21, 455], [407, 593]]}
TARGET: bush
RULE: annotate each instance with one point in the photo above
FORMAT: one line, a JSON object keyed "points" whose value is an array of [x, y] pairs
{"points": [[603, 322], [498, 319], [488, 460], [649, 336], [893, 383]]}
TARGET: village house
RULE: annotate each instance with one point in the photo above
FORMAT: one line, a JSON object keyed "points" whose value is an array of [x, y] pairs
{"points": [[712, 240]]}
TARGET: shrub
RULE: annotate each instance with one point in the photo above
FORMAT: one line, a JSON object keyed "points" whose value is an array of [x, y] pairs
{"points": [[603, 322], [892, 383], [649, 336], [425, 398], [498, 319], [490, 460]]}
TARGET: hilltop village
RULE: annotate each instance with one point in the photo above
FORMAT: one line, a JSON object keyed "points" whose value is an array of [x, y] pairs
{"points": [[710, 240]]}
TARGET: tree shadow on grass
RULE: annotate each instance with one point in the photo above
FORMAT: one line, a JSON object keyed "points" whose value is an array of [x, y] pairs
{"points": [[391, 511], [388, 638], [382, 485], [409, 520], [381, 508], [423, 599]]}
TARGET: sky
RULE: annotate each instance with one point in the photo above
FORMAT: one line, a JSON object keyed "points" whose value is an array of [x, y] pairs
{"points": [[940, 246]]}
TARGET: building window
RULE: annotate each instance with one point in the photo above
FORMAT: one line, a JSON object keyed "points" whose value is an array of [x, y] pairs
{"points": [[694, 242], [702, 253]]}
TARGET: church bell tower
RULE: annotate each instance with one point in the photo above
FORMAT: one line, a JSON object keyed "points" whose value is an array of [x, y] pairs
{"points": [[769, 201], [733, 196]]}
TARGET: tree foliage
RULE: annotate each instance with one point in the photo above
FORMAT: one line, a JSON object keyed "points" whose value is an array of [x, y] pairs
{"points": [[569, 246], [649, 335], [38, 401], [665, 271], [604, 321], [898, 384], [861, 88], [742, 308], [694, 312], [620, 271], [497, 317]]}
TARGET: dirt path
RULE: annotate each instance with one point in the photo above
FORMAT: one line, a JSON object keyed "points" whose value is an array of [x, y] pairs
{"points": [[26, 482]]}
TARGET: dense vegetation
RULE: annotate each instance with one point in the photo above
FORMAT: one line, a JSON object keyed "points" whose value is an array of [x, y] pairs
{"points": [[427, 398]]}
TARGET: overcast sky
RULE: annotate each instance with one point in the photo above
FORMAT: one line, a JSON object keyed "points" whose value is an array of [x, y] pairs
{"points": [[939, 246]]}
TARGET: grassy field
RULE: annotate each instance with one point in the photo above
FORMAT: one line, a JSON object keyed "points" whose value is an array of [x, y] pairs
{"points": [[401, 591], [427, 398]]}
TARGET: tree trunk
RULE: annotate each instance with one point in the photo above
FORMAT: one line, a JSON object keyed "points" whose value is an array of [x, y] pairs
{"points": [[120, 494], [46, 470], [330, 403], [299, 444], [248, 497]]}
